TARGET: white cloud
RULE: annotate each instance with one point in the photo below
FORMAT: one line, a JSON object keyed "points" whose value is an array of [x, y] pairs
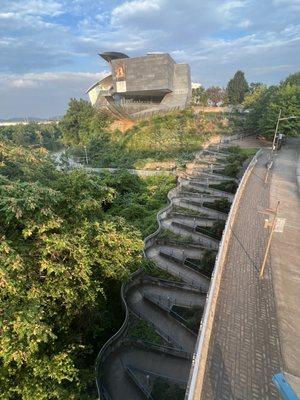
{"points": [[34, 7], [245, 23], [7, 15], [47, 78], [216, 37], [42, 94], [136, 9]]}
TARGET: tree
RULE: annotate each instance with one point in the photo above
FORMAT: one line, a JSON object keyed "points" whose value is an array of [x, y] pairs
{"points": [[255, 92], [237, 88], [75, 123], [200, 96], [33, 134], [287, 99], [81, 122], [264, 105], [215, 95], [254, 87], [293, 79], [61, 255]]}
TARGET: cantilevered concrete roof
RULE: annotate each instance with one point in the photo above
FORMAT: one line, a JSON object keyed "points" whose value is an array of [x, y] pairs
{"points": [[112, 55]]}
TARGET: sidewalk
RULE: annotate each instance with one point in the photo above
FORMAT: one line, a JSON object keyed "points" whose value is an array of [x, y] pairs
{"points": [[285, 255], [244, 351]]}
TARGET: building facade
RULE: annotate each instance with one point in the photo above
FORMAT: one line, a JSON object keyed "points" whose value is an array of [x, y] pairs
{"points": [[142, 86]]}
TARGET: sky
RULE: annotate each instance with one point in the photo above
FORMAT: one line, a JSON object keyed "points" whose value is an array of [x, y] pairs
{"points": [[49, 48]]}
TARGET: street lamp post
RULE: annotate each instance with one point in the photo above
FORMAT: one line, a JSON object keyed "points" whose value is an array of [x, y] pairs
{"points": [[274, 144], [275, 133]]}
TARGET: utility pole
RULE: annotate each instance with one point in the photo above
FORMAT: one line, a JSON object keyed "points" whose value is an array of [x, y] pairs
{"points": [[267, 225]]}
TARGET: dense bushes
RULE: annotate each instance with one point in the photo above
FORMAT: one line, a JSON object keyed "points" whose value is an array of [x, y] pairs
{"points": [[169, 138], [68, 241], [138, 200], [161, 142]]}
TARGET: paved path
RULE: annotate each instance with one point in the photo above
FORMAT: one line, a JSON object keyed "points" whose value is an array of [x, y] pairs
{"points": [[161, 317], [114, 374], [189, 275], [285, 253], [244, 350]]}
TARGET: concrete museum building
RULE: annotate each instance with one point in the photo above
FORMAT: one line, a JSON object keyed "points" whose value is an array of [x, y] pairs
{"points": [[142, 86]]}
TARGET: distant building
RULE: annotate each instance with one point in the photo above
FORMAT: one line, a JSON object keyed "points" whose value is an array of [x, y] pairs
{"points": [[142, 86]]}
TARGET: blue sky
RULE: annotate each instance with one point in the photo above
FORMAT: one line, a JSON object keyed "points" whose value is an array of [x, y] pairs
{"points": [[48, 48]]}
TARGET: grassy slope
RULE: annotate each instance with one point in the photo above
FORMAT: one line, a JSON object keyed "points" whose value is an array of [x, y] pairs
{"points": [[163, 142]]}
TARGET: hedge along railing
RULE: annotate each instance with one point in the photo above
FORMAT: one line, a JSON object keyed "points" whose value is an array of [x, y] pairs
{"points": [[195, 384]]}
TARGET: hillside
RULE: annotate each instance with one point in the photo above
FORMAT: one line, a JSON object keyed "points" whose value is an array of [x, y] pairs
{"points": [[162, 142]]}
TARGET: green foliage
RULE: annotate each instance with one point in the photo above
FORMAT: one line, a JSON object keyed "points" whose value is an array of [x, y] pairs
{"points": [[265, 103], [140, 329], [215, 230], [227, 186], [236, 160], [139, 199], [205, 264], [171, 139], [287, 99], [62, 258], [222, 205], [199, 96], [81, 122], [69, 240], [19, 163], [237, 88], [151, 269], [254, 86], [210, 96], [191, 316], [255, 92], [293, 80], [33, 135]]}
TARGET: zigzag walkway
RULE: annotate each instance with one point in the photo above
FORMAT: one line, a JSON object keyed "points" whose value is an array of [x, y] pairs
{"points": [[127, 368]]}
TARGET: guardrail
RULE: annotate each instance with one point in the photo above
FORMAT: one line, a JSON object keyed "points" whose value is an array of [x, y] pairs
{"points": [[202, 345]]}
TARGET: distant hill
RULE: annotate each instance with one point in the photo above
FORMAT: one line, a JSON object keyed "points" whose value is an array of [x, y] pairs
{"points": [[30, 119]]}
